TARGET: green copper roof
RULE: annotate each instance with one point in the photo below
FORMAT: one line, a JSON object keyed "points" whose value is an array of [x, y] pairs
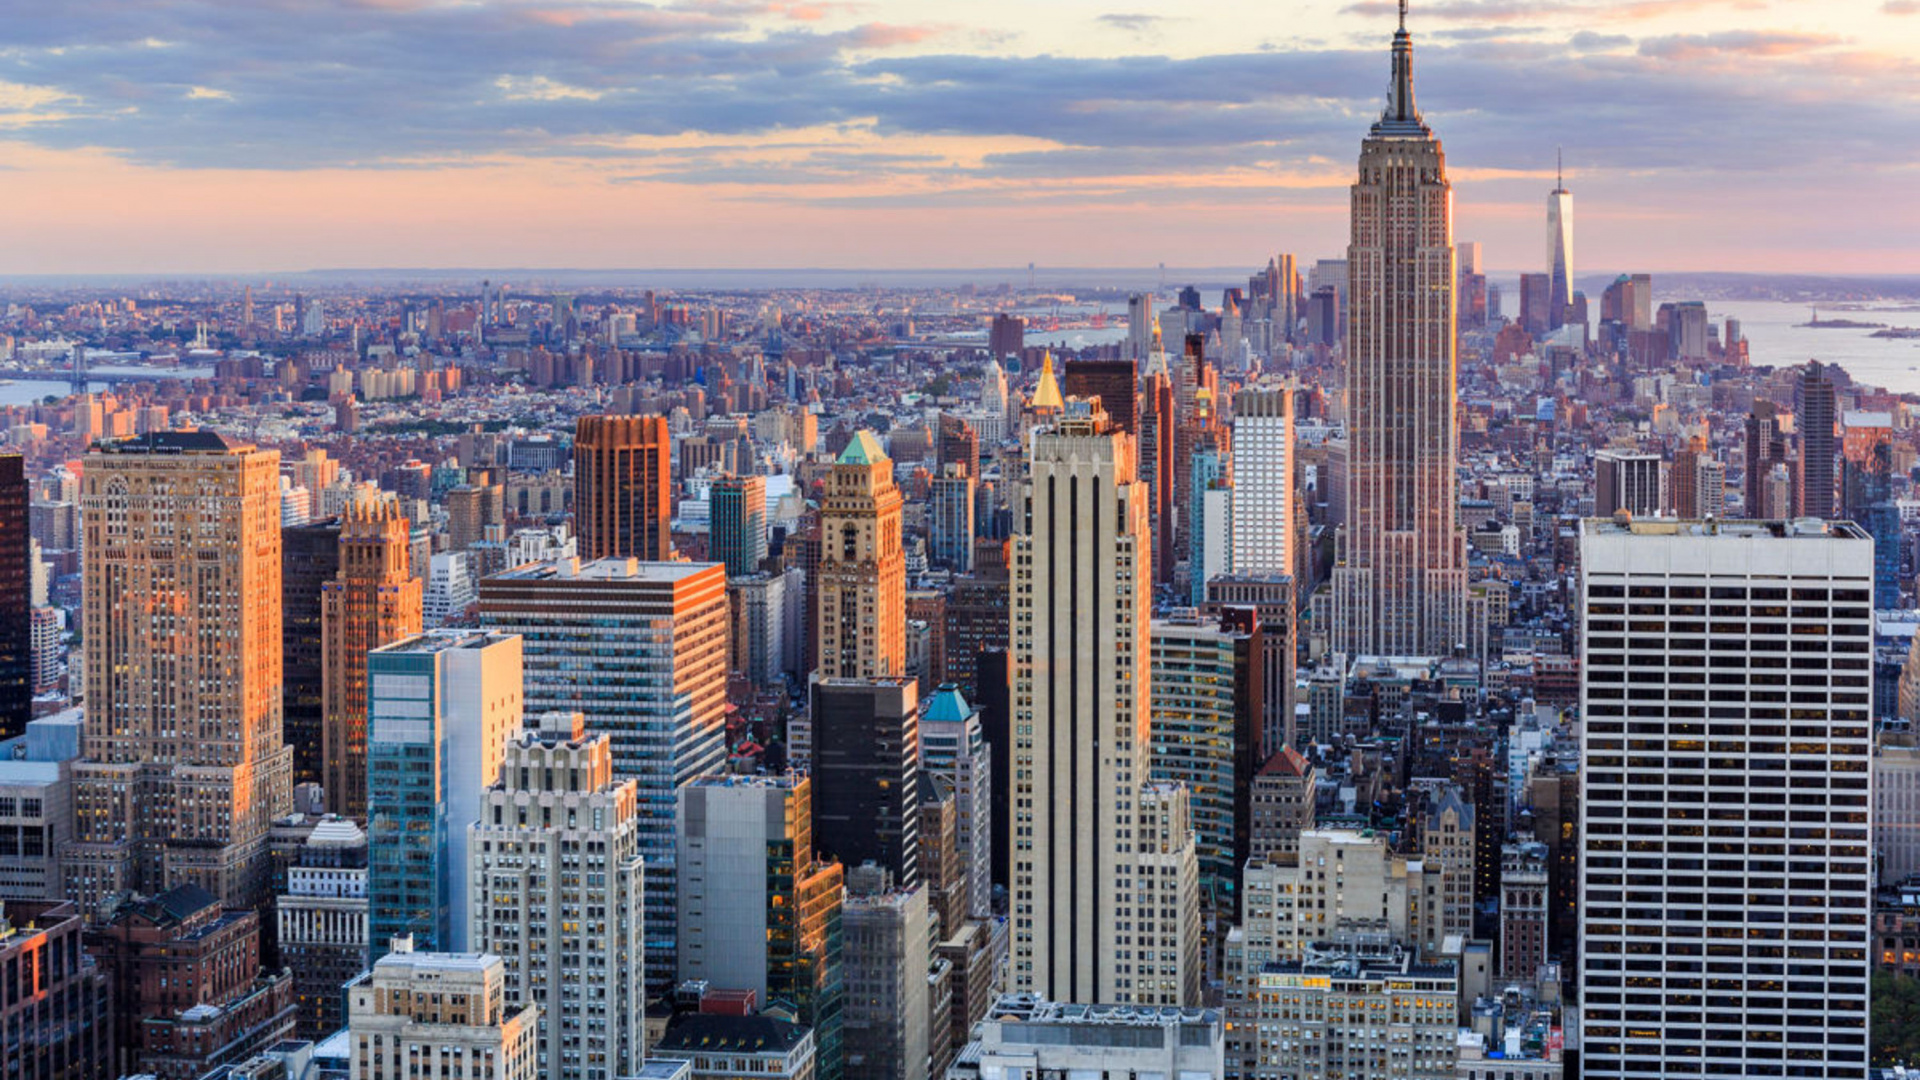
{"points": [[947, 704], [863, 450]]}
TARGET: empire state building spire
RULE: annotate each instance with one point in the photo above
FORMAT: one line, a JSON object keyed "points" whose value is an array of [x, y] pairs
{"points": [[1402, 116]]}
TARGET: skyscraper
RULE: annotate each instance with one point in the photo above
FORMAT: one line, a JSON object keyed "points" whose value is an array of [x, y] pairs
{"points": [[953, 746], [866, 773], [1400, 587], [1263, 489], [1736, 832], [422, 1014], [641, 650], [737, 522], [1559, 252], [440, 709], [555, 802], [373, 600], [950, 537], [1140, 326], [1081, 691], [863, 568], [1115, 383], [622, 487], [309, 558], [1813, 417], [16, 599], [184, 768], [1626, 480], [1156, 461]]}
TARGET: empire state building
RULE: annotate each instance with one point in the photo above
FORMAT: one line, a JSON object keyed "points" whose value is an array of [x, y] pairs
{"points": [[1400, 587]]}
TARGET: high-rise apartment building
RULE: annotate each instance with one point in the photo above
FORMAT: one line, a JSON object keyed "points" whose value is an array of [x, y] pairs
{"points": [[16, 598], [757, 911], [863, 569], [1081, 695], [1400, 587], [439, 1016], [737, 523], [322, 924], [374, 600], [640, 650], [1726, 873], [440, 709], [184, 770], [623, 487], [309, 558], [1813, 418], [866, 773], [1559, 253], [1264, 503], [555, 857]]}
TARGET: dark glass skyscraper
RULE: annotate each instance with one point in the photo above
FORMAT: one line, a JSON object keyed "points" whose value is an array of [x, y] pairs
{"points": [[737, 523], [16, 599], [1813, 418], [866, 773]]}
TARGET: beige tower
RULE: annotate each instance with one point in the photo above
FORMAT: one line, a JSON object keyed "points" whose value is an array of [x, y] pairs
{"points": [[183, 767], [374, 600], [1401, 585], [1083, 811], [863, 569]]}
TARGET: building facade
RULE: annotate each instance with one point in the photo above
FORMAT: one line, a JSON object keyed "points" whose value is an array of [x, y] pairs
{"points": [[373, 600], [439, 1016], [623, 487], [863, 577]]}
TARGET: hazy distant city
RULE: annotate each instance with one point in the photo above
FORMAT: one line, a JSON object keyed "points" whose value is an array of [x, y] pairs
{"points": [[1371, 661]]}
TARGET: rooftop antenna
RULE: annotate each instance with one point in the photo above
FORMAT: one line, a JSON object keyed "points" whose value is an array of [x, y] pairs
{"points": [[1403, 16], [1559, 166]]}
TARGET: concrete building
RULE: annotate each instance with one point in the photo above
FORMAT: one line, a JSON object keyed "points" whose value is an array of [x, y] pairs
{"points": [[1353, 1010], [36, 806], [718, 1047], [757, 912], [373, 600], [1081, 694], [1896, 806], [863, 584], [555, 854], [887, 949], [58, 1017], [440, 709], [322, 924], [449, 592], [767, 623], [182, 669], [1623, 480], [1264, 492], [1762, 844], [951, 529], [623, 487], [1024, 1035], [439, 1016], [1523, 910], [953, 746], [1281, 802], [1447, 845], [640, 650]]}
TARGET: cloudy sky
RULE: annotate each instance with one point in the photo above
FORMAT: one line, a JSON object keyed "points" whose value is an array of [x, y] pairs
{"points": [[260, 135]]}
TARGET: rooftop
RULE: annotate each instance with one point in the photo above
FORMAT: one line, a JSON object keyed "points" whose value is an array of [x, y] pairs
{"points": [[710, 1033], [1797, 529], [604, 570], [173, 442], [438, 641], [862, 449], [1029, 1008]]}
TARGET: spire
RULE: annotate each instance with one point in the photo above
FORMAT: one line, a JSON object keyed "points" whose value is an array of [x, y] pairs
{"points": [[1401, 117], [1559, 167]]}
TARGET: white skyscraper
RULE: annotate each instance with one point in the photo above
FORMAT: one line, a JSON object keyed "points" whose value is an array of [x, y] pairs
{"points": [[1263, 489], [1725, 871], [1559, 251], [556, 854], [1139, 327], [1082, 808]]}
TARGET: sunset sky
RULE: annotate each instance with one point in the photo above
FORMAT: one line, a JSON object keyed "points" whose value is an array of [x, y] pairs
{"points": [[205, 136]]}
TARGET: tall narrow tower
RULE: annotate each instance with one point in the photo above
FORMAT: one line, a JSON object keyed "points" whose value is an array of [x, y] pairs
{"points": [[622, 498], [863, 568], [373, 600], [1559, 249], [184, 769], [1400, 588]]}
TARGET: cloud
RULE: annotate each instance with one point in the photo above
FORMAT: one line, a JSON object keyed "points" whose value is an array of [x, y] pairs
{"points": [[1744, 43], [1586, 10], [1901, 7], [1133, 23]]}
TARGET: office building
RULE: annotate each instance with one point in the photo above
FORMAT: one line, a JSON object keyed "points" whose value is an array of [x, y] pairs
{"points": [[1400, 587], [888, 949], [16, 598], [1264, 499], [715, 1046], [1813, 418], [1264, 602], [1115, 383], [440, 709], [1559, 252], [1029, 1035], [322, 917], [1006, 336], [36, 806], [449, 596], [1140, 327], [737, 523], [372, 601], [1281, 802], [188, 990], [1351, 1010], [59, 1021], [757, 911], [439, 1016], [951, 531], [1081, 691], [953, 746], [1624, 480], [866, 773], [185, 770], [309, 559], [1210, 536], [1536, 304], [1729, 826], [623, 487], [556, 856], [473, 511], [863, 577], [1523, 910], [640, 650]]}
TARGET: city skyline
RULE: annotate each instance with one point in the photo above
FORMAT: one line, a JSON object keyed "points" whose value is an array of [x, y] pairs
{"points": [[185, 140]]}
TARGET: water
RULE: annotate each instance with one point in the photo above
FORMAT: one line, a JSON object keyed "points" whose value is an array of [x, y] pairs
{"points": [[34, 391], [1775, 338]]}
